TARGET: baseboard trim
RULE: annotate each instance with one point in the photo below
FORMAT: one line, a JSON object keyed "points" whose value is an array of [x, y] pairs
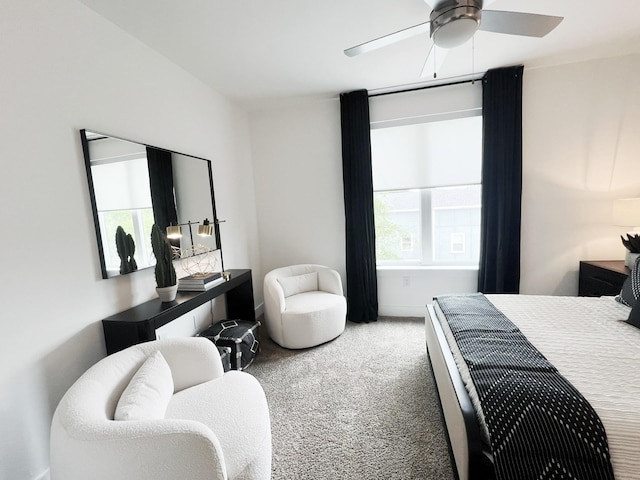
{"points": [[383, 310], [259, 310], [402, 310]]}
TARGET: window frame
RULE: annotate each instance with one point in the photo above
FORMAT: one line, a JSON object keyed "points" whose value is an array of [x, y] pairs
{"points": [[440, 101]]}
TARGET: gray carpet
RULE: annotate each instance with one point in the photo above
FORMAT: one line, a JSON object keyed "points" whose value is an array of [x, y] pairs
{"points": [[362, 406]]}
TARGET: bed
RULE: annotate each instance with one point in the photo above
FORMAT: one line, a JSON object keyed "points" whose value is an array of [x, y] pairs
{"points": [[589, 343]]}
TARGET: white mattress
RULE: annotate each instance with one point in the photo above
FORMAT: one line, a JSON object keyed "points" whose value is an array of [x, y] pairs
{"points": [[589, 343]]}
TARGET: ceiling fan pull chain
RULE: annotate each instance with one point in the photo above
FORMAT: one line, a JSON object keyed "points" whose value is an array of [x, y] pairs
{"points": [[473, 59], [435, 63]]}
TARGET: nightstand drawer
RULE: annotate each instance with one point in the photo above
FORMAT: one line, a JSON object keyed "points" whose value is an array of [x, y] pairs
{"points": [[601, 278]]}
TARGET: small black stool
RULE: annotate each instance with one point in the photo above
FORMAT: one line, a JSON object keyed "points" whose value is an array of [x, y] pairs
{"points": [[240, 336]]}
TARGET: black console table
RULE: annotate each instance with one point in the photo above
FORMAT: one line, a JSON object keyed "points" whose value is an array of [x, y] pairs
{"points": [[139, 324]]}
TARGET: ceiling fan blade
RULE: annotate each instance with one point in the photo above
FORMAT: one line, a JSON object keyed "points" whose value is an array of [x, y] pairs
{"points": [[434, 61], [387, 39], [518, 23]]}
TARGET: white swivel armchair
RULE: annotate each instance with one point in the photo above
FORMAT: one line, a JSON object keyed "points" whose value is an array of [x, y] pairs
{"points": [[304, 305], [178, 416]]}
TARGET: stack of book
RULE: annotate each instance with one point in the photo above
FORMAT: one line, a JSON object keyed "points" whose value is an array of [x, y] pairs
{"points": [[199, 283]]}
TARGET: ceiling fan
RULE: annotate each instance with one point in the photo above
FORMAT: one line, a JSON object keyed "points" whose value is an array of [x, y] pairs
{"points": [[453, 22]]}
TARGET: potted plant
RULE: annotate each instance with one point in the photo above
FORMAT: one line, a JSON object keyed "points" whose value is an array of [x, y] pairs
{"points": [[632, 244], [165, 272]]}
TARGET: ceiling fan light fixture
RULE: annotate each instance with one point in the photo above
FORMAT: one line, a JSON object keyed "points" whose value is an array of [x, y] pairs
{"points": [[454, 27]]}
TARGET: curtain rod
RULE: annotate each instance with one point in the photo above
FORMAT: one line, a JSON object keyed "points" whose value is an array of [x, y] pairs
{"points": [[378, 92]]}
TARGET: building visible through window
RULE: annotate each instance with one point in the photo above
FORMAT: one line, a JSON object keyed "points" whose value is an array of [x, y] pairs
{"points": [[457, 242]]}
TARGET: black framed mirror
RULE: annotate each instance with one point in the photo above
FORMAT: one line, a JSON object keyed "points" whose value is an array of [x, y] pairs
{"points": [[134, 185]]}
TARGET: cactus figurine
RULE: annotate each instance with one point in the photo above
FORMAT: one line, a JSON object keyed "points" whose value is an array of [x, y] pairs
{"points": [[126, 248], [165, 272]]}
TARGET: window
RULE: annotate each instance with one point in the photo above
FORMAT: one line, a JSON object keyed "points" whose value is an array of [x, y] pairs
{"points": [[136, 222], [124, 197], [441, 225], [426, 176]]}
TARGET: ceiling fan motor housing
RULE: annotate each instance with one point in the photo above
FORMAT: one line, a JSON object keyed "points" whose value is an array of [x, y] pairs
{"points": [[453, 22]]}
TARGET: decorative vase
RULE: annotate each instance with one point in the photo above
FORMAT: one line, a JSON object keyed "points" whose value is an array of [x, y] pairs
{"points": [[630, 259], [167, 294]]}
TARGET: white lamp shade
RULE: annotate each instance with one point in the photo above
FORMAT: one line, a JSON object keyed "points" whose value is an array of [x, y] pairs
{"points": [[626, 212]]}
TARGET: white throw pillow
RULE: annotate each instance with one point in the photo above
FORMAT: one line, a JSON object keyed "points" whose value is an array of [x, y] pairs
{"points": [[307, 282], [149, 391]]}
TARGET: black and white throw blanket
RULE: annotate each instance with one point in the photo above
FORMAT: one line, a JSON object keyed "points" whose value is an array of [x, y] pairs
{"points": [[540, 426]]}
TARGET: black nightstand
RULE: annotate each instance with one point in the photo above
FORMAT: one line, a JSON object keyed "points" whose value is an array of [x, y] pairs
{"points": [[601, 277]]}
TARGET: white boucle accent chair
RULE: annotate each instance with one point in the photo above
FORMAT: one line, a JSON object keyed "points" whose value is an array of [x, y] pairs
{"points": [[216, 424], [304, 305]]}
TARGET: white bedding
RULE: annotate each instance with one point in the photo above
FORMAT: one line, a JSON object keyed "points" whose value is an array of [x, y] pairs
{"points": [[589, 342]]}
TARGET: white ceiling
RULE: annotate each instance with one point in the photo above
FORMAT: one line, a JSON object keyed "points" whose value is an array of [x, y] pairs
{"points": [[259, 51]]}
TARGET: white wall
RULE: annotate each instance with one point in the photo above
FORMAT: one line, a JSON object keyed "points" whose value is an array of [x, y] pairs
{"points": [[65, 68], [405, 292], [297, 161], [581, 150]]}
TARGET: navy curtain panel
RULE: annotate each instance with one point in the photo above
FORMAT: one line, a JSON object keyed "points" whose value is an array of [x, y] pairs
{"points": [[162, 189], [499, 269], [362, 283]]}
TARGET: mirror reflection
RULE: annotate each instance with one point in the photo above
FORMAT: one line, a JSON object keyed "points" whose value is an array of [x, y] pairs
{"points": [[133, 186]]}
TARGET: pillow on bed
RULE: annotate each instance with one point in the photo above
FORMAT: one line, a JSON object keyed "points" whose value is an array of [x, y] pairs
{"points": [[626, 296], [631, 287], [634, 316]]}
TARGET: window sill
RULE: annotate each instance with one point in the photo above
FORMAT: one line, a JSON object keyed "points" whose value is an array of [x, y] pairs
{"points": [[398, 268]]}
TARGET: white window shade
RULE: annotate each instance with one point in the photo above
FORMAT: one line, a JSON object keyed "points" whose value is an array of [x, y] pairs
{"points": [[424, 155], [122, 185], [120, 173], [426, 105], [427, 138]]}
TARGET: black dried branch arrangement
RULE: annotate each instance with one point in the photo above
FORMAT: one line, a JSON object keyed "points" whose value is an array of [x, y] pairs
{"points": [[632, 243]]}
